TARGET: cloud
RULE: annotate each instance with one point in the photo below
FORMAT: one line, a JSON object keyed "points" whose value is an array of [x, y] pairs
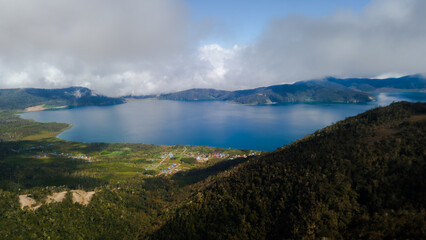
{"points": [[92, 31], [152, 46], [388, 36], [49, 43]]}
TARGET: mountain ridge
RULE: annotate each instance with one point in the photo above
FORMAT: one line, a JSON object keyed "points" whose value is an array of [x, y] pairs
{"points": [[21, 98], [329, 89]]}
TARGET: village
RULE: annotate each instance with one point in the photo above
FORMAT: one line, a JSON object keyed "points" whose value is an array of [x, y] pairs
{"points": [[163, 163], [200, 158]]}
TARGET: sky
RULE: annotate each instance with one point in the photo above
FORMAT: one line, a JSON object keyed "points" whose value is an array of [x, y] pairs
{"points": [[156, 46]]}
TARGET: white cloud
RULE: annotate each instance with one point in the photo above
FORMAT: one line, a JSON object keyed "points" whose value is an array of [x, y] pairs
{"points": [[53, 76], [388, 36], [152, 46], [216, 56], [389, 75]]}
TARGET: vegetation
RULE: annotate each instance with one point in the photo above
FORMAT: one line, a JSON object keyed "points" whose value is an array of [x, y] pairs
{"points": [[12, 99], [188, 160], [132, 195], [361, 178], [410, 83], [12, 127], [325, 90], [298, 92]]}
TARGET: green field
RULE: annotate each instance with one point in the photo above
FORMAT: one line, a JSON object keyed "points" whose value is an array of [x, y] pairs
{"points": [[34, 157]]}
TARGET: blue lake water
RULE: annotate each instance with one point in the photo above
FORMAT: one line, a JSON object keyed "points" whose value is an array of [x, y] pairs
{"points": [[208, 123]]}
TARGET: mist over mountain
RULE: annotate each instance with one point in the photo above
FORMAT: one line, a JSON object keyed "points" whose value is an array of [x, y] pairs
{"points": [[353, 90]]}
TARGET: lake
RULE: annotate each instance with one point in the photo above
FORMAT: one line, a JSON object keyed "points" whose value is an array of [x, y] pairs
{"points": [[206, 123]]}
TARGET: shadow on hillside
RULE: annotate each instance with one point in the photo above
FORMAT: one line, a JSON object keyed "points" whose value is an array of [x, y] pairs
{"points": [[199, 174]]}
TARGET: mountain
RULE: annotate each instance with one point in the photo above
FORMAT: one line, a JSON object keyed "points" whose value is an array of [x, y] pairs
{"points": [[197, 94], [72, 96], [297, 92], [361, 178], [406, 83], [353, 90]]}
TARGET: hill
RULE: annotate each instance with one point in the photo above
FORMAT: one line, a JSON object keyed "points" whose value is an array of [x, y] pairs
{"points": [[298, 92], [361, 178], [12, 99], [353, 90], [197, 94], [406, 83]]}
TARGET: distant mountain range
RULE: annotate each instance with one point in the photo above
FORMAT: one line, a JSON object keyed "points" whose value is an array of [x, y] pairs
{"points": [[12, 99], [297, 92], [353, 90], [406, 83]]}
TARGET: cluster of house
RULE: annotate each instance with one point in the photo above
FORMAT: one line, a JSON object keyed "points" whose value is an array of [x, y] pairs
{"points": [[244, 156], [206, 157], [173, 168], [170, 170]]}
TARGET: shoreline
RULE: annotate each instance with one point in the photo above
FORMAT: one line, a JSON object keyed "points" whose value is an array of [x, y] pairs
{"points": [[41, 108]]}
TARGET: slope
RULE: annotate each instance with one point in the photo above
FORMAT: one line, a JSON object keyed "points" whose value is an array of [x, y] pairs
{"points": [[297, 92], [406, 83], [361, 178], [12, 99]]}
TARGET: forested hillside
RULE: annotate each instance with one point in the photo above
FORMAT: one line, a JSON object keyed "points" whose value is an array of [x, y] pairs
{"points": [[297, 92], [362, 178], [12, 99], [351, 90], [406, 83]]}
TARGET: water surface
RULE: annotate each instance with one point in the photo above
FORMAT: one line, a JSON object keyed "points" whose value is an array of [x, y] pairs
{"points": [[207, 123]]}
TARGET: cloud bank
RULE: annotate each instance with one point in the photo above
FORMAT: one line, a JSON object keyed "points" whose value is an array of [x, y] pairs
{"points": [[388, 36], [152, 46]]}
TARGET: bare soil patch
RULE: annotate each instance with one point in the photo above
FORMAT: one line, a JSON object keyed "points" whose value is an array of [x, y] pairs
{"points": [[27, 201], [82, 197], [41, 108], [56, 197], [78, 196]]}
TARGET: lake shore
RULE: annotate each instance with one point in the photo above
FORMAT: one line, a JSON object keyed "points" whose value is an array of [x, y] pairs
{"points": [[41, 108]]}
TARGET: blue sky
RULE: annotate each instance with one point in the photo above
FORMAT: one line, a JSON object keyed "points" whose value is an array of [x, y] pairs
{"points": [[242, 21]]}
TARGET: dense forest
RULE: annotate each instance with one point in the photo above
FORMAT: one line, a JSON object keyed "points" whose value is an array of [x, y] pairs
{"points": [[361, 178]]}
